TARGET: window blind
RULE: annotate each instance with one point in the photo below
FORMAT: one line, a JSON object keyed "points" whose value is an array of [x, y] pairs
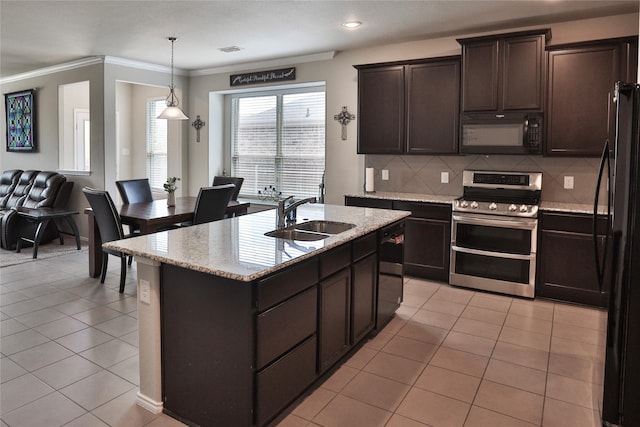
{"points": [[156, 144], [278, 139]]}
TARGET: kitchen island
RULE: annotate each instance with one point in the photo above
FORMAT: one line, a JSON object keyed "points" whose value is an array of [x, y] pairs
{"points": [[235, 325]]}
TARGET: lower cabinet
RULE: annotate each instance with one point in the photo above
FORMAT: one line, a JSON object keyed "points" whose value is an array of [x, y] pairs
{"points": [[334, 318], [566, 259], [363, 296], [238, 353], [427, 235], [427, 240]]}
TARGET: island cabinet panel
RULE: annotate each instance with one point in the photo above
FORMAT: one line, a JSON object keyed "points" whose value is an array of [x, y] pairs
{"points": [[334, 329], [280, 383], [207, 348], [580, 106], [427, 240], [282, 327], [363, 297], [276, 288], [566, 259]]}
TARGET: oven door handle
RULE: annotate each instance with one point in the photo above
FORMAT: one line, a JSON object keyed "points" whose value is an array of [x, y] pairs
{"points": [[524, 224], [492, 254]]}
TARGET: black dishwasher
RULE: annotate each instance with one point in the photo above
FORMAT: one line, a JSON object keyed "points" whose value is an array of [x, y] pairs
{"points": [[390, 271]]}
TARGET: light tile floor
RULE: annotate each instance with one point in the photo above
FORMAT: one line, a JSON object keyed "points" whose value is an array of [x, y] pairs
{"points": [[450, 357]]}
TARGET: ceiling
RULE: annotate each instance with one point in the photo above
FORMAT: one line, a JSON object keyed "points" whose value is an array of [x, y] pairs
{"points": [[37, 34]]}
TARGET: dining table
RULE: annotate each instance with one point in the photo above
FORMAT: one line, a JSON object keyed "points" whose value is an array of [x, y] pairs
{"points": [[149, 217]]}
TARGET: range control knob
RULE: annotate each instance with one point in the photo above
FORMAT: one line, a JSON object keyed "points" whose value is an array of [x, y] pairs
{"points": [[524, 208], [512, 208], [493, 206], [464, 204], [474, 205]]}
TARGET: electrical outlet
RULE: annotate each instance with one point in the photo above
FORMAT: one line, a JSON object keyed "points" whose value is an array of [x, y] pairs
{"points": [[145, 291], [385, 174], [568, 183], [444, 177]]}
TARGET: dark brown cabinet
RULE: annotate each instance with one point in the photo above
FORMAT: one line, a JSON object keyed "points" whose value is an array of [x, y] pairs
{"points": [[334, 325], [410, 107], [364, 276], [503, 72], [427, 240], [566, 259], [580, 108], [381, 110]]}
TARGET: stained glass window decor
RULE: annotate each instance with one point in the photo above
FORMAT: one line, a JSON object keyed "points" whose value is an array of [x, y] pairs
{"points": [[21, 120]]}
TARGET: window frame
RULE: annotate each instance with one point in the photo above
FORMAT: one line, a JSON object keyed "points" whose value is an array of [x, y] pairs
{"points": [[279, 92], [148, 155]]}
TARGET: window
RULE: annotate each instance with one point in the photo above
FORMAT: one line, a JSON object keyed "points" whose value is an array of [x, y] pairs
{"points": [[156, 144], [74, 153], [278, 139]]}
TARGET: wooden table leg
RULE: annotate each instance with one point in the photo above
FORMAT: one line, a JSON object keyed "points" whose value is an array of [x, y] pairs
{"points": [[95, 247]]}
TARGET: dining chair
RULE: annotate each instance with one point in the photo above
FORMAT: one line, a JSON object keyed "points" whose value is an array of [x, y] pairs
{"points": [[135, 190], [237, 181], [211, 203], [110, 227]]}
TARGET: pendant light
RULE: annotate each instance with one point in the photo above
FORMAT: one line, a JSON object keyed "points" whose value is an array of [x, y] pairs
{"points": [[172, 112]]}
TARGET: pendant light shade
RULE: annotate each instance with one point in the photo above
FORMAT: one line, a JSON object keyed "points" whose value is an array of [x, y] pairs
{"points": [[172, 112]]}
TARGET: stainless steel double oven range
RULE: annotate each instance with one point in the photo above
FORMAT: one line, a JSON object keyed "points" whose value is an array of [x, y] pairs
{"points": [[494, 232]]}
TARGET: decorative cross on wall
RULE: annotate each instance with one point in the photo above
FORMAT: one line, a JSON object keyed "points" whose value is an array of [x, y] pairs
{"points": [[198, 124], [344, 118]]}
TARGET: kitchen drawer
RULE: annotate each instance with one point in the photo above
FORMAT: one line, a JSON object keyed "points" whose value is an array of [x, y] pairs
{"points": [[367, 202], [335, 260], [571, 223], [285, 325], [279, 384], [287, 283], [364, 246], [425, 210]]}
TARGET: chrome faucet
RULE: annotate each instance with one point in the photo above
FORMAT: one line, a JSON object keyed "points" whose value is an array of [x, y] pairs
{"points": [[284, 209]]}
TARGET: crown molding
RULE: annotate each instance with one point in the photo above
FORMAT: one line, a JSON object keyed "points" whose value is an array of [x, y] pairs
{"points": [[323, 56], [114, 60], [84, 62]]}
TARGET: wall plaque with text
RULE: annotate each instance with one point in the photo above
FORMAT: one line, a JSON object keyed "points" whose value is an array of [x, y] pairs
{"points": [[258, 77]]}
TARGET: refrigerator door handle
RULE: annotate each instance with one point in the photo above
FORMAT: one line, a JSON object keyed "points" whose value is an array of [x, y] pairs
{"points": [[605, 159]]}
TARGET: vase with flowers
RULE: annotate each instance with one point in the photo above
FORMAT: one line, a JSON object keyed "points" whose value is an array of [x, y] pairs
{"points": [[170, 187]]}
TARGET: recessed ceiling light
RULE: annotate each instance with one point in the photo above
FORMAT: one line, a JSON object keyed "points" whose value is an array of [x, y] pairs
{"points": [[229, 49], [352, 24]]}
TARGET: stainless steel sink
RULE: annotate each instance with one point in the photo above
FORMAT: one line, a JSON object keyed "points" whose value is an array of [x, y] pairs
{"points": [[311, 230], [329, 227], [293, 234]]}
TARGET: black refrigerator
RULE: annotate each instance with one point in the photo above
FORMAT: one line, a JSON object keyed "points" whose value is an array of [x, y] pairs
{"points": [[619, 172]]}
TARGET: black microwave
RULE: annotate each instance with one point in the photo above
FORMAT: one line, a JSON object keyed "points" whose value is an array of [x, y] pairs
{"points": [[508, 133]]}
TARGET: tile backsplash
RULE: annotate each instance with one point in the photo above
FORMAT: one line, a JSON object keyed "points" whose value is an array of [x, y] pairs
{"points": [[422, 174]]}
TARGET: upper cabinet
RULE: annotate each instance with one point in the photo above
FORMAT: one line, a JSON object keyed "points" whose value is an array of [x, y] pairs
{"points": [[504, 72], [580, 107], [410, 107]]}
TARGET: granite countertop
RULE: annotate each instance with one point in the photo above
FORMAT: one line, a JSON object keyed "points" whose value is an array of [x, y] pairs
{"points": [[236, 248], [447, 199]]}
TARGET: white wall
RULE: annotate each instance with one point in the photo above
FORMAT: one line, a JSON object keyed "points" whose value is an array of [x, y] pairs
{"points": [[344, 167]]}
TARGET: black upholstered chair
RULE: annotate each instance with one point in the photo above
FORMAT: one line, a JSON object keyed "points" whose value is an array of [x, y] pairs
{"points": [[221, 180], [135, 190], [212, 202], [110, 226], [8, 181]]}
